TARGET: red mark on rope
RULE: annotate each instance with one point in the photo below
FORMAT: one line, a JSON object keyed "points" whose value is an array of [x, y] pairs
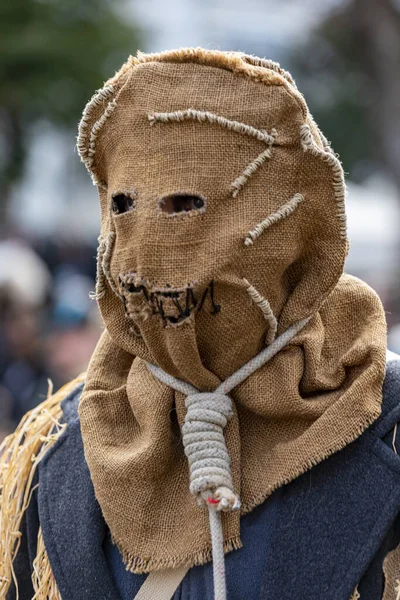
{"points": [[211, 500]]}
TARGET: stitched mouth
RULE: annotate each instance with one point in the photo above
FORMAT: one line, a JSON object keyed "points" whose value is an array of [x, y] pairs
{"points": [[172, 305]]}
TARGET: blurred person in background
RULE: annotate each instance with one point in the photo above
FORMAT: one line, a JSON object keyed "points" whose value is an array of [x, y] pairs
{"points": [[75, 325], [52, 54], [24, 294], [49, 326]]}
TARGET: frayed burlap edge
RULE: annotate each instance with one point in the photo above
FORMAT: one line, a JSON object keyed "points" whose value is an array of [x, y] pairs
{"points": [[138, 565], [20, 454], [309, 464], [230, 61]]}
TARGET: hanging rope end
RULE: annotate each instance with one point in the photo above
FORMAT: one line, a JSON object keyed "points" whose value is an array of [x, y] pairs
{"points": [[223, 499]]}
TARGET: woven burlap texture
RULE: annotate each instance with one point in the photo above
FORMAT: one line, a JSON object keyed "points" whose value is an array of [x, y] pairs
{"points": [[313, 398]]}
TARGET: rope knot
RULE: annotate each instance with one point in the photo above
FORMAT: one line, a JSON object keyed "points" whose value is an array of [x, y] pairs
{"points": [[205, 447]]}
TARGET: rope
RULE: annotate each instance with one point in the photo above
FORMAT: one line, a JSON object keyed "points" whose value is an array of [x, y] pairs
{"points": [[203, 439], [217, 540], [210, 474]]}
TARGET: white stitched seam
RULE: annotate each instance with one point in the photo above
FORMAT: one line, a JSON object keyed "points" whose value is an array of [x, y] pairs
{"points": [[86, 148], [202, 116], [281, 213], [266, 309], [331, 159]]}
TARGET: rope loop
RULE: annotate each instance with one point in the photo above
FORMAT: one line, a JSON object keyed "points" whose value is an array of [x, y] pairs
{"points": [[205, 447]]}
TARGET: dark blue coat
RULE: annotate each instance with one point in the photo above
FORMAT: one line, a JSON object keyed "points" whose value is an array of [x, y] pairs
{"points": [[314, 539]]}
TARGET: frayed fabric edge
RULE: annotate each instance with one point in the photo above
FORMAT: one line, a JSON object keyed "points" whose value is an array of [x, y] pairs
{"points": [[139, 565], [309, 464]]}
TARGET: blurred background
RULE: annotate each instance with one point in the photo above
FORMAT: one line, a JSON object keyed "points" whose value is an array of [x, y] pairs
{"points": [[345, 56]]}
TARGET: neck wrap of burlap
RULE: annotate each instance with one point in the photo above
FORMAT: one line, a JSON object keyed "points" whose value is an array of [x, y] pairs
{"points": [[223, 225]]}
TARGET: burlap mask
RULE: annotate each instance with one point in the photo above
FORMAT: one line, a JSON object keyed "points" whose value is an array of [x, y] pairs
{"points": [[222, 224]]}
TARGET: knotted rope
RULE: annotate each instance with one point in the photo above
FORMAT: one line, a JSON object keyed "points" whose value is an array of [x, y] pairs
{"points": [[204, 442]]}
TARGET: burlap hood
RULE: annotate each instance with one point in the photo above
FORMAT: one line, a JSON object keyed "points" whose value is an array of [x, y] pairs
{"points": [[200, 290]]}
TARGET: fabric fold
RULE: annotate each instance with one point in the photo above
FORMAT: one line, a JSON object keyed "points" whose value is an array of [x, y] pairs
{"points": [[195, 152]]}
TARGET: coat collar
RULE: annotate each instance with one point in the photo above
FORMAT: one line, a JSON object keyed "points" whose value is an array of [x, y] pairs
{"points": [[328, 523]]}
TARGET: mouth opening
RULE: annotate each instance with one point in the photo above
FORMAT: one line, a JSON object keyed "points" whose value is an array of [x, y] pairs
{"points": [[172, 305]]}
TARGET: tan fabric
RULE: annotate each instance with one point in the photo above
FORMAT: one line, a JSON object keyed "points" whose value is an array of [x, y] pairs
{"points": [[310, 400], [161, 585], [391, 570]]}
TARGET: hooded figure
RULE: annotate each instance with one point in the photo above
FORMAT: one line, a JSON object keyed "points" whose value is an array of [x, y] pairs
{"points": [[236, 433]]}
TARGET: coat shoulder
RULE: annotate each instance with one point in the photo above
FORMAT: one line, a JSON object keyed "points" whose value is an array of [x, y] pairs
{"points": [[70, 403]]}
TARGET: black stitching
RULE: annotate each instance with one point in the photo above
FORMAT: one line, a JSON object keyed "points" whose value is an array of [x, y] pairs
{"points": [[184, 300]]}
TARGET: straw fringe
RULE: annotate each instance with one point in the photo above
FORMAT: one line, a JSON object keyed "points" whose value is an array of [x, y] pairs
{"points": [[43, 580], [332, 160], [138, 565], [20, 455]]}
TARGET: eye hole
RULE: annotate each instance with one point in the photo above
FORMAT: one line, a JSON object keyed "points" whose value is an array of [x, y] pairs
{"points": [[122, 203], [177, 203]]}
